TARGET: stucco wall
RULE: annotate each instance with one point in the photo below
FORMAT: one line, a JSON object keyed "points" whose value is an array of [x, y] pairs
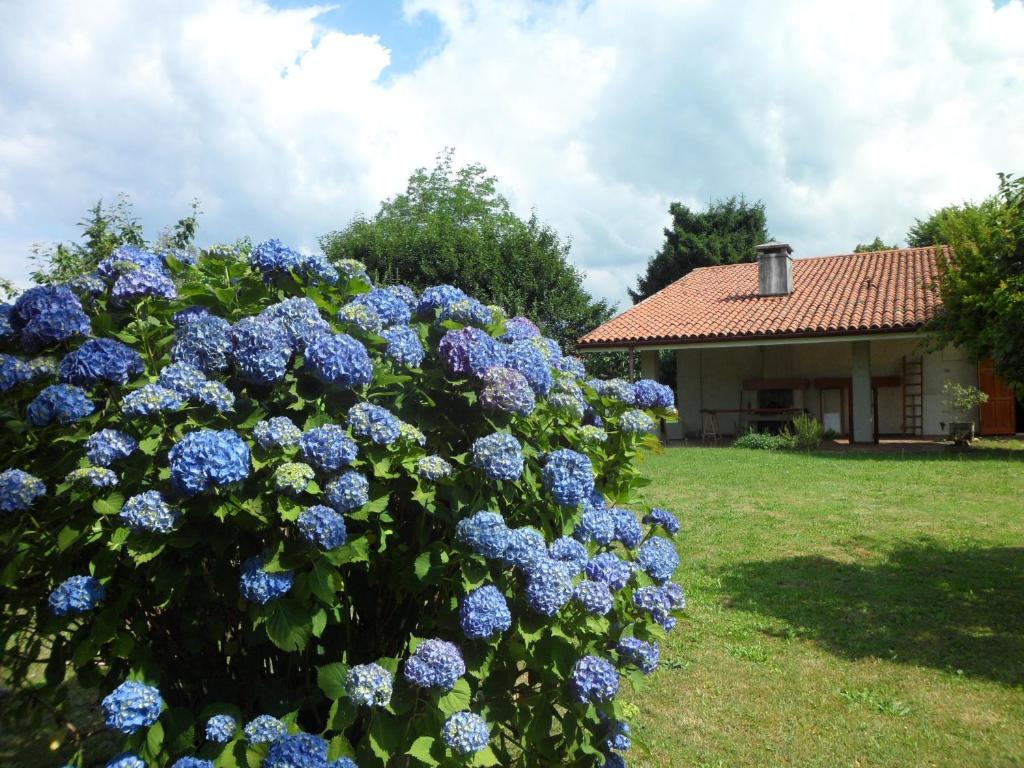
{"points": [[712, 378]]}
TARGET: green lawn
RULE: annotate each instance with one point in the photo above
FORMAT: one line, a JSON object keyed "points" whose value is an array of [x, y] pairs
{"points": [[844, 610]]}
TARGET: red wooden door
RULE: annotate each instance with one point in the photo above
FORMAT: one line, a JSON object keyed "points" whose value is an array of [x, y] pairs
{"points": [[999, 414]]}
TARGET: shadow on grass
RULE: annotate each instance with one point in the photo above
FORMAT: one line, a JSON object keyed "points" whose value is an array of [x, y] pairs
{"points": [[926, 605]]}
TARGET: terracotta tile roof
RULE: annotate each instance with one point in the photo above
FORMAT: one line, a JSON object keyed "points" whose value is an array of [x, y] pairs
{"points": [[853, 293]]}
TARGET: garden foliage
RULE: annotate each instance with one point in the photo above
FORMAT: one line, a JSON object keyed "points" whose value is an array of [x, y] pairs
{"points": [[275, 516]]}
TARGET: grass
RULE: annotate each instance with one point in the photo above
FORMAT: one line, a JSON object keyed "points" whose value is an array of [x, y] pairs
{"points": [[845, 609]]}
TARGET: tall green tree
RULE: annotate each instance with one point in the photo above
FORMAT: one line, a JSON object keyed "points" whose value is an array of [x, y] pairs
{"points": [[725, 233], [451, 225], [982, 284], [874, 245], [935, 230]]}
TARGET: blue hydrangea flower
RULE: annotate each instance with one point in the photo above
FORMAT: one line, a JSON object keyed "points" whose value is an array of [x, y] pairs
{"points": [[405, 293], [87, 287], [404, 346], [650, 394], [519, 329], [192, 762], [391, 309], [438, 297], [485, 533], [339, 359], [674, 594], [328, 448], [596, 501], [658, 558], [548, 587], [410, 434], [292, 477], [100, 360], [640, 652], [353, 269], [484, 613], [627, 528], [369, 685], [362, 316], [592, 435], [62, 403], [188, 314], [616, 389], [500, 456], [148, 511], [6, 331], [47, 315], [265, 729], [41, 367], [433, 468], [187, 257], [322, 527], [183, 378], [129, 258], [469, 351], [79, 594], [140, 283], [569, 476], [273, 256], [570, 552], [261, 350], [204, 343], [131, 706], [316, 268], [220, 729], [635, 422], [467, 311], [92, 477], [572, 365], [19, 490], [13, 371], [664, 518], [150, 399], [507, 390], [348, 492], [279, 431], [655, 601], [300, 750], [594, 679], [547, 347], [611, 569], [300, 318], [596, 525], [525, 357], [594, 596], [466, 733], [206, 458], [126, 760], [618, 736], [564, 401], [343, 762], [525, 547], [216, 395], [260, 586], [373, 422], [435, 664]]}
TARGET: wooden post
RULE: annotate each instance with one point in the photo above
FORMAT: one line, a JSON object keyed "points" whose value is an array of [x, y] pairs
{"points": [[632, 364]]}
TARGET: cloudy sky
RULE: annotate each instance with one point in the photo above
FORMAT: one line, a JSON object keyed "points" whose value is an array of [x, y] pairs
{"points": [[287, 119]]}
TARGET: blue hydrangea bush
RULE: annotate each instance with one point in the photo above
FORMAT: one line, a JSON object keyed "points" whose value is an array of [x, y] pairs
{"points": [[274, 515]]}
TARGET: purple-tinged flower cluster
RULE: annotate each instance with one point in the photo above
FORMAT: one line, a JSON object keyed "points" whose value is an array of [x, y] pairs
{"points": [[658, 558], [369, 685], [658, 602], [328, 448], [438, 297], [664, 518], [299, 750], [132, 706], [635, 422], [435, 664], [348, 492], [568, 476], [361, 316], [433, 468], [392, 309], [92, 477], [79, 594], [594, 596], [594, 679], [261, 350], [526, 358], [648, 393], [259, 586], [322, 527], [100, 360], [19, 490], [62, 403], [339, 359], [299, 318], [611, 569], [150, 399], [374, 423], [292, 477], [129, 258], [276, 432], [519, 329], [140, 284], [207, 458], [47, 315], [404, 346], [499, 455], [220, 729], [640, 652], [507, 390], [485, 533], [548, 586], [466, 733], [469, 352], [484, 613], [264, 729], [204, 343], [149, 512], [467, 311]]}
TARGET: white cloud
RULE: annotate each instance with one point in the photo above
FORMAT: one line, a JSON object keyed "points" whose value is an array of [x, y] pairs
{"points": [[848, 119]]}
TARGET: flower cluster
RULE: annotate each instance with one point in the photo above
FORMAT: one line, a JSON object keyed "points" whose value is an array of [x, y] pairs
{"points": [[361, 316], [348, 492], [261, 586], [374, 423], [78, 594], [323, 527], [466, 733], [438, 297], [520, 329], [328, 448], [278, 432], [62, 403], [658, 558], [636, 422], [131, 706], [369, 685], [203, 342], [100, 360], [91, 477], [640, 652], [435, 664], [390, 308], [47, 315], [260, 349], [141, 283], [292, 477], [207, 458], [500, 456], [404, 346], [526, 358], [469, 352], [150, 399], [339, 359], [569, 476], [264, 729], [148, 511], [300, 319], [650, 394], [664, 518], [19, 490], [594, 679], [484, 613], [220, 729], [433, 468]]}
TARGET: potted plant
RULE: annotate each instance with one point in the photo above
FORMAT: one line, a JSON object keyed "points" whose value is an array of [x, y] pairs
{"points": [[961, 400]]}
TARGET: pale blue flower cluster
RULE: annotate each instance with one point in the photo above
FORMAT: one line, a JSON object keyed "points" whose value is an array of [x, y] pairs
{"points": [[644, 654], [220, 729], [374, 423], [650, 394], [328, 448], [507, 390], [660, 602], [19, 490], [207, 458], [635, 422], [438, 297], [433, 468], [570, 552], [615, 389], [527, 358], [141, 283], [467, 311], [348, 492], [594, 596], [484, 613], [435, 664], [300, 319], [149, 512], [568, 476], [485, 533], [272, 258], [627, 528], [299, 750], [260, 586], [63, 403], [611, 569], [150, 399], [132, 706], [594, 679], [369, 685], [130, 258], [78, 594], [548, 586], [404, 346], [92, 477], [361, 316], [572, 365], [595, 525], [261, 350], [276, 432], [339, 359], [322, 527], [216, 395], [392, 309], [100, 360], [664, 518], [183, 378], [204, 343], [466, 733], [499, 455], [658, 558], [519, 329], [126, 760], [264, 729]]}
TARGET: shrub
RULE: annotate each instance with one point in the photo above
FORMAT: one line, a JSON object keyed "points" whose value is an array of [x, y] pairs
{"points": [[764, 441], [807, 432], [323, 544]]}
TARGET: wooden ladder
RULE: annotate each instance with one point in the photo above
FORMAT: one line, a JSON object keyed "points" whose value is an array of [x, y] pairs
{"points": [[913, 396]]}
